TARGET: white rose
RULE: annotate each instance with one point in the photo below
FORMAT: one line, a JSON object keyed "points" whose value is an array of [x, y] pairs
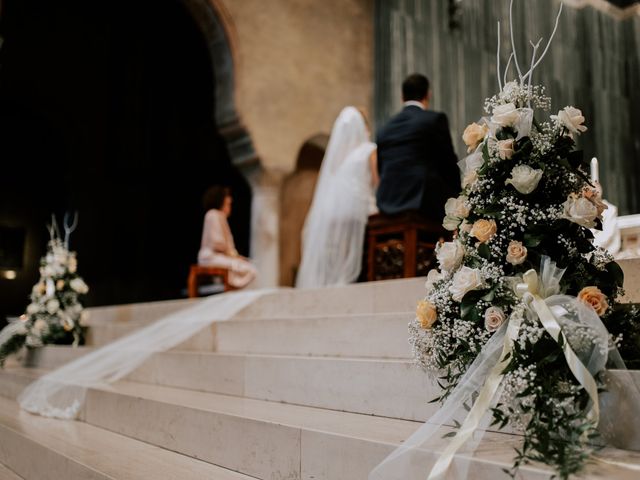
{"points": [[469, 178], [33, 308], [73, 264], [571, 118], [432, 277], [78, 285], [450, 255], [505, 115], [580, 210], [48, 271], [505, 148], [493, 318], [509, 89], [60, 258], [524, 178], [53, 306], [21, 328], [470, 166], [465, 280], [466, 226], [39, 325], [84, 318], [450, 223], [457, 207]]}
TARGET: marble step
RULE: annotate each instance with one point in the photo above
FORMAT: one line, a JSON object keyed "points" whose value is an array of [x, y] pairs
{"points": [[386, 296], [356, 335], [7, 474], [136, 312], [38, 448], [272, 441], [370, 297], [389, 388], [277, 441], [382, 335]]}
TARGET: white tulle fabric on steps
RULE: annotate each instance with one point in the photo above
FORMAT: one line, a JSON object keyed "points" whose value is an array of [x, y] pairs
{"points": [[61, 393]]}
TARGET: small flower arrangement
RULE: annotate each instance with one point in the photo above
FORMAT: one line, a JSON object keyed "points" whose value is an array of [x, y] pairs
{"points": [[55, 313]]}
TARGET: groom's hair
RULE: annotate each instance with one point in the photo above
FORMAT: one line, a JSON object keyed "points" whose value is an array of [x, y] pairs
{"points": [[415, 87]]}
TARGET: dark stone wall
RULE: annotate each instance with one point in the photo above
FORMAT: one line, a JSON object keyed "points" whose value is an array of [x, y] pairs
{"points": [[110, 109], [593, 64]]}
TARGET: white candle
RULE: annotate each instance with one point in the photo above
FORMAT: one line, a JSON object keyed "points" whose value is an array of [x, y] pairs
{"points": [[594, 170]]}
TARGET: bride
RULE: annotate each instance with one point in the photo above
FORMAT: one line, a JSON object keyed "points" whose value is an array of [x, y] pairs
{"points": [[333, 234]]}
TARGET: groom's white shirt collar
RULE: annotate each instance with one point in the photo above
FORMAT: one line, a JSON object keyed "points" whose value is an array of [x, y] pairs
{"points": [[414, 103]]}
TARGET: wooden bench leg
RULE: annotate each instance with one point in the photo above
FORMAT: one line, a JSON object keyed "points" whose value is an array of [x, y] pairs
{"points": [[410, 252], [371, 275], [192, 284]]}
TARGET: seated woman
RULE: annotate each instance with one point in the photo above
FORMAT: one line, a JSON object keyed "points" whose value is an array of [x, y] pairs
{"points": [[217, 248]]}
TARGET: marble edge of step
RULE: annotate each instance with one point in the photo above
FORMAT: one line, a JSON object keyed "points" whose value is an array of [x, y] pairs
{"points": [[80, 429], [7, 474], [383, 430], [271, 292], [346, 316]]}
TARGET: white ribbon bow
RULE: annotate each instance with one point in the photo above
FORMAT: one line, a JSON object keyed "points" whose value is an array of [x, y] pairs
{"points": [[533, 292]]}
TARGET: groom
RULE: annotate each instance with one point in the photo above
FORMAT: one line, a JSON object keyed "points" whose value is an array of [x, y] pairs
{"points": [[416, 162]]}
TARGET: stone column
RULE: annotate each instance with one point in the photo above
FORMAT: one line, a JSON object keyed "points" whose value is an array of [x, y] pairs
{"points": [[265, 185]]}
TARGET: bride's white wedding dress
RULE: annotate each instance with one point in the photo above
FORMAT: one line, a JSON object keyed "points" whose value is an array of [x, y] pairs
{"points": [[333, 234]]}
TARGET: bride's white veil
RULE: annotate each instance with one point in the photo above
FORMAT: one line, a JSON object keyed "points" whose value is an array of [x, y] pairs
{"points": [[333, 232]]}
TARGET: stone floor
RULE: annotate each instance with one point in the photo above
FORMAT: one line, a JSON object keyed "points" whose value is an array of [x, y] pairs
{"points": [[314, 384]]}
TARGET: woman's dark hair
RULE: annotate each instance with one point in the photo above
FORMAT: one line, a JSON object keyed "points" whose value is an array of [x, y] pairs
{"points": [[415, 87], [214, 197]]}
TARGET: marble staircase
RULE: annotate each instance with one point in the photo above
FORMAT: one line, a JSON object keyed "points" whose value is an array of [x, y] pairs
{"points": [[313, 384]]}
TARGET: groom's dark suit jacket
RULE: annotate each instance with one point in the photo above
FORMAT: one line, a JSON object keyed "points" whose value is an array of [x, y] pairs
{"points": [[417, 165]]}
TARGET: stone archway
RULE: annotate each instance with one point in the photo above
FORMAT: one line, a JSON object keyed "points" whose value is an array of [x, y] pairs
{"points": [[217, 28]]}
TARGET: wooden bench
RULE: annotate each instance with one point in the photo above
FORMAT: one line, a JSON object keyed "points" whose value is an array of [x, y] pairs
{"points": [[196, 272], [402, 245]]}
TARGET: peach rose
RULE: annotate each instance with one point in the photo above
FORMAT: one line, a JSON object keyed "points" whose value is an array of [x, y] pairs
{"points": [[493, 318], [516, 252], [483, 229], [427, 314], [473, 136], [506, 148], [593, 297], [60, 284]]}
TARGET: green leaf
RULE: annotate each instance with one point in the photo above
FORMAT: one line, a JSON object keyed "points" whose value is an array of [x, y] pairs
{"points": [[532, 240], [489, 296], [616, 272], [483, 251], [576, 158]]}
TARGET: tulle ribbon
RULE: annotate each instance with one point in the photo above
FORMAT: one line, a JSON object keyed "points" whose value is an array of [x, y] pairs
{"points": [[531, 290], [566, 319]]}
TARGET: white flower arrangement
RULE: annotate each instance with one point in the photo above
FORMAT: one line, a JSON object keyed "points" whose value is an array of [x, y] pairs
{"points": [[525, 195], [55, 313]]}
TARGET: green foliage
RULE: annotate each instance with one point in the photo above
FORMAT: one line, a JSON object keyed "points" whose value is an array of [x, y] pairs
{"points": [[11, 346]]}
